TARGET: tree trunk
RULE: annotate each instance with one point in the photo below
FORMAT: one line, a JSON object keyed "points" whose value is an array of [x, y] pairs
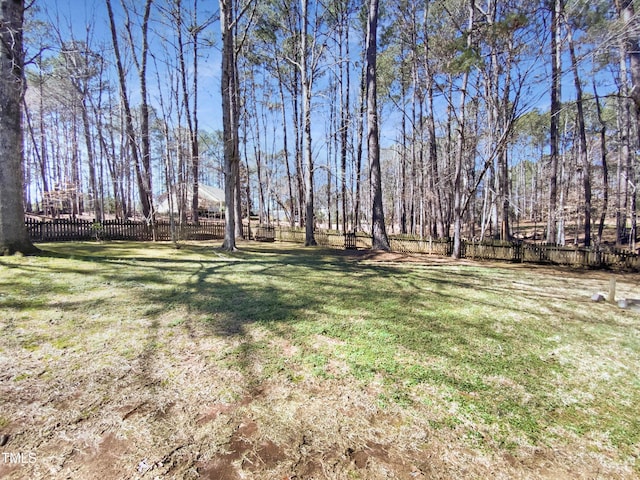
{"points": [[434, 173], [402, 194], [236, 129], [458, 202], [633, 52], [257, 149], [297, 133], [379, 231], [556, 67], [359, 140], [305, 79], [344, 121], [624, 153], [93, 183], [605, 167], [434, 177], [78, 205], [585, 164], [229, 122], [632, 39], [331, 143], [13, 234], [43, 144], [38, 149], [238, 193], [195, 146], [285, 148], [145, 138]]}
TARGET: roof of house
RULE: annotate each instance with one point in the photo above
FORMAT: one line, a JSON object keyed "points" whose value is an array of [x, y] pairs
{"points": [[210, 193], [209, 198]]}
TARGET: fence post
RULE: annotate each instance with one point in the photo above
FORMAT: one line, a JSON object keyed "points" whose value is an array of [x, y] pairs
{"points": [[612, 290], [350, 241], [517, 252]]}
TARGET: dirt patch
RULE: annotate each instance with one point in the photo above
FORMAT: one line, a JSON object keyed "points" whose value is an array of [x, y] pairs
{"points": [[214, 412], [102, 462], [313, 430], [382, 256]]}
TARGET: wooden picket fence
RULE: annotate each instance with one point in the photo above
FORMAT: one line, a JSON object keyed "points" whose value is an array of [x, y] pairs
{"points": [[60, 230], [64, 229], [325, 238], [489, 250], [552, 254]]}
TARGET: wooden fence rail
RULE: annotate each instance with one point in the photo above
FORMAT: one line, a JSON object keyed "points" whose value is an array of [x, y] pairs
{"points": [[59, 230]]}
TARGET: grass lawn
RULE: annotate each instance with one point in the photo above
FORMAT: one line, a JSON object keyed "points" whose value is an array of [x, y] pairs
{"points": [[130, 360]]}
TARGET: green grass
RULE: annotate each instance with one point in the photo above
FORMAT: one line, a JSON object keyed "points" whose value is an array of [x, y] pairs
{"points": [[506, 357]]}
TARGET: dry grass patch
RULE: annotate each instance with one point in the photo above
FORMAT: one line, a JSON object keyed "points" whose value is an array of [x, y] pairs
{"points": [[125, 360]]}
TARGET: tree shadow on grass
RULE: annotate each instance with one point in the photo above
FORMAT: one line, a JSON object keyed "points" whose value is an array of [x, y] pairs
{"points": [[266, 286], [369, 308], [260, 283], [278, 287]]}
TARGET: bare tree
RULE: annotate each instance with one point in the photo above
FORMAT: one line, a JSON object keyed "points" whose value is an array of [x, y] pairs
{"points": [[142, 179], [584, 163], [145, 138], [190, 96], [81, 65]]}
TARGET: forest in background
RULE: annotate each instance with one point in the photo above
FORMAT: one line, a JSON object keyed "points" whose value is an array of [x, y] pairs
{"points": [[494, 114]]}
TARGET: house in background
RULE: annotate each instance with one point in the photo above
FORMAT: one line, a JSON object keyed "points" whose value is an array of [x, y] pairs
{"points": [[210, 201]]}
